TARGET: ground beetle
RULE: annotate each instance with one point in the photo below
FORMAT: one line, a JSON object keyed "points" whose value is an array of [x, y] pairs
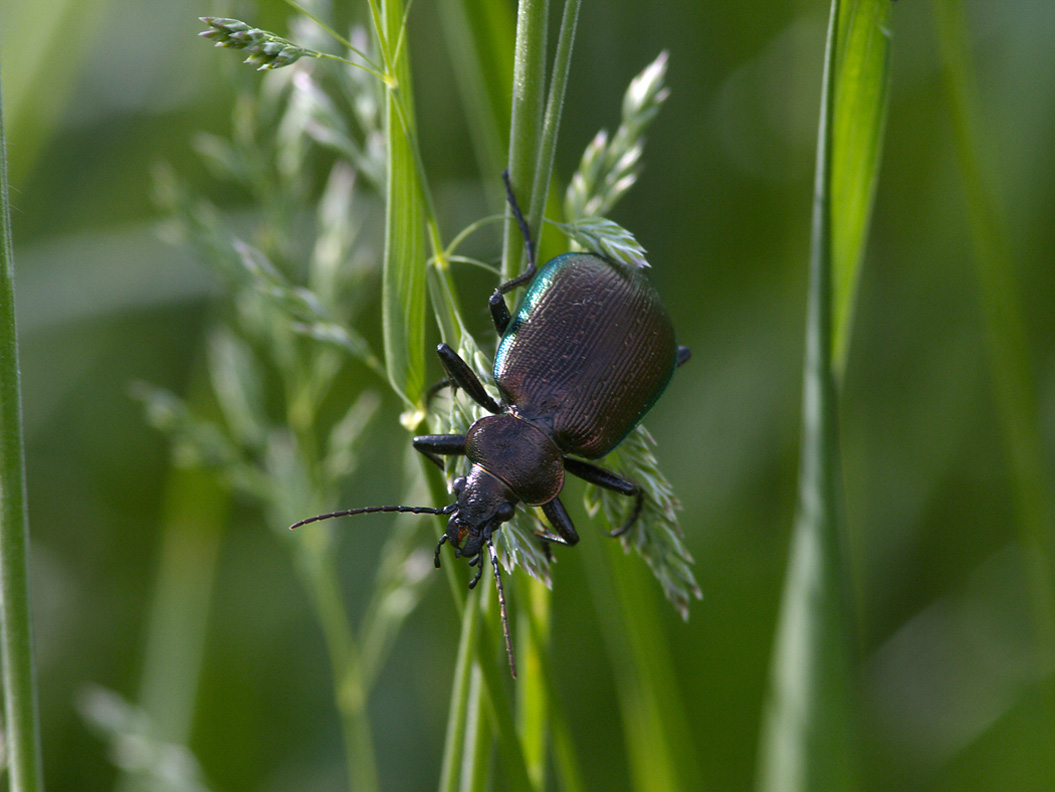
{"points": [[582, 360]]}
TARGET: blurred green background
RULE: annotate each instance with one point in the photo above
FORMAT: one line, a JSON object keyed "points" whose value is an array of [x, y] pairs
{"points": [[97, 93]]}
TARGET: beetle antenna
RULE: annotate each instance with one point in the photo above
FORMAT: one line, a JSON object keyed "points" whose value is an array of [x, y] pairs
{"points": [[374, 510], [502, 606], [524, 230]]}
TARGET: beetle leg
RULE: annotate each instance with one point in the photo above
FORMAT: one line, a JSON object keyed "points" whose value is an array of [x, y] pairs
{"points": [[465, 378], [561, 522], [499, 310], [610, 481], [430, 394], [683, 355], [479, 564], [445, 445]]}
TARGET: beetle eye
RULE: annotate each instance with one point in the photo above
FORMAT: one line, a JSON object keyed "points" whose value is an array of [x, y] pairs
{"points": [[458, 485], [504, 513]]}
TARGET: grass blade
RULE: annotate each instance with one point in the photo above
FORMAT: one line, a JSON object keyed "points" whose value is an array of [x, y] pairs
{"points": [[529, 87], [16, 639], [403, 278], [861, 99], [807, 732]]}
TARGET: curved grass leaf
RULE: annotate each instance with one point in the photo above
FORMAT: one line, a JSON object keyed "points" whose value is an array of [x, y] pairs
{"points": [[861, 97]]}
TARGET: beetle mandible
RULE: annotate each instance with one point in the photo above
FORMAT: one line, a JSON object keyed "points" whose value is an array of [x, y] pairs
{"points": [[588, 352]]}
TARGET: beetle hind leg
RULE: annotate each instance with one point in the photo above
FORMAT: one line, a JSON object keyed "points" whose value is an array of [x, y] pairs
{"points": [[684, 353], [610, 481]]}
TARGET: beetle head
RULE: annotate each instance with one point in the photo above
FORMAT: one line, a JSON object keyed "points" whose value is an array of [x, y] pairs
{"points": [[484, 503]]}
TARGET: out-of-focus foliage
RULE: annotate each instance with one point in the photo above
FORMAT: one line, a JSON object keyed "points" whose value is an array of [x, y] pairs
{"points": [[951, 694]]}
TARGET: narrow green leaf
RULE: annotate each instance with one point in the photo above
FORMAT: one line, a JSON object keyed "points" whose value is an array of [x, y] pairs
{"points": [[861, 100], [403, 279], [807, 739], [21, 722]]}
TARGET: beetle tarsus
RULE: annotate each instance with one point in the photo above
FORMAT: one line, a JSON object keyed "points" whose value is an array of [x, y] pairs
{"points": [[529, 243], [621, 530], [478, 563]]}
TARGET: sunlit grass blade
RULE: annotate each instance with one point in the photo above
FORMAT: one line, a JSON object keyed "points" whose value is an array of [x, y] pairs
{"points": [[403, 279], [861, 98], [807, 739], [21, 723]]}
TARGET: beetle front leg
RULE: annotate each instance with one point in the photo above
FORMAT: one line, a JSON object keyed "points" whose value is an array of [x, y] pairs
{"points": [[499, 310], [465, 378], [561, 522], [610, 481], [442, 445]]}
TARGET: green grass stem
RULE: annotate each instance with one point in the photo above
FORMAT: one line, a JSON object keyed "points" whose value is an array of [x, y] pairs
{"points": [[529, 88], [16, 637], [547, 148]]}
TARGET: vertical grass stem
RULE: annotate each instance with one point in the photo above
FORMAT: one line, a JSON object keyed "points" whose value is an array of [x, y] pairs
{"points": [[16, 639]]}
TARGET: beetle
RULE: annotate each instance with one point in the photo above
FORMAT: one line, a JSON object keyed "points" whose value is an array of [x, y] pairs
{"points": [[587, 353]]}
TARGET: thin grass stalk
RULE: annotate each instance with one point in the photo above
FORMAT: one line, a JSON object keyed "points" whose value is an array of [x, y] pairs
{"points": [[539, 669], [323, 585], [529, 86], [547, 149], [194, 518], [1007, 340], [500, 703], [462, 706], [16, 638], [480, 737], [533, 699], [807, 741]]}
